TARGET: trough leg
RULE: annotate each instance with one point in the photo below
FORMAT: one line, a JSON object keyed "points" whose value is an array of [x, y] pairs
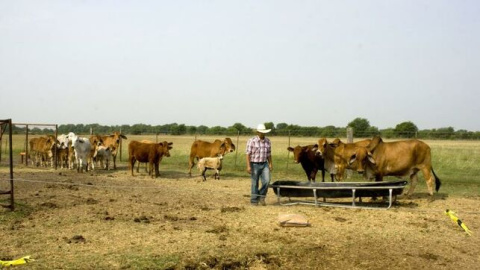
{"points": [[353, 197], [390, 197], [278, 195]]}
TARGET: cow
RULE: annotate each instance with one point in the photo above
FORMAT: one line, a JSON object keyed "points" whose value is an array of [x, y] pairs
{"points": [[63, 141], [62, 156], [102, 154], [42, 148], [311, 163], [343, 154], [399, 158], [81, 147], [326, 150], [201, 149], [148, 152], [210, 163], [112, 141]]}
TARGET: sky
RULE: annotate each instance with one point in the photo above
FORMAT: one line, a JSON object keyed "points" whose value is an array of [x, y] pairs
{"points": [[221, 62]]}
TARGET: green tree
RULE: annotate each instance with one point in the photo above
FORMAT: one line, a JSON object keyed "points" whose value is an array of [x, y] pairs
{"points": [[202, 129], [360, 127], [240, 128], [406, 130]]}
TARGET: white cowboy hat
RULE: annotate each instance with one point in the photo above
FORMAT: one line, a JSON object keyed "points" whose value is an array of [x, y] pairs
{"points": [[261, 128]]}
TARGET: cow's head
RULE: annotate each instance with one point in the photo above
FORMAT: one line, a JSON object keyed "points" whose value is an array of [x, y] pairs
{"points": [[321, 147], [117, 136], [50, 142], [228, 144], [166, 147], [298, 152], [62, 141], [363, 159]]}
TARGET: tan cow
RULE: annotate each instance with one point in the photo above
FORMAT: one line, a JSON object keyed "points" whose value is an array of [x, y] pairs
{"points": [[399, 158], [112, 141], [42, 148], [201, 149], [148, 152], [344, 153], [326, 150]]}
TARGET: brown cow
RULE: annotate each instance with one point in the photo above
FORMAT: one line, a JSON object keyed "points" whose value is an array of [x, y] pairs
{"points": [[42, 148], [343, 154], [400, 158], [201, 149], [111, 141], [311, 163], [148, 152]]}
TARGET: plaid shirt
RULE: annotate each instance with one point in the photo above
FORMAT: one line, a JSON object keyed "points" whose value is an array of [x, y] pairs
{"points": [[259, 150]]}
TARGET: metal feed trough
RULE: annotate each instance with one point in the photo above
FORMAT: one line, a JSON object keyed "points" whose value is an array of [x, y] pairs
{"points": [[289, 188]]}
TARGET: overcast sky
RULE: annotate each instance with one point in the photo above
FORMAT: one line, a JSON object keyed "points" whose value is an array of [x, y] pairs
{"points": [[208, 62]]}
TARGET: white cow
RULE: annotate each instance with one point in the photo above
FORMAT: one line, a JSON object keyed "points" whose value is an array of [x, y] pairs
{"points": [[102, 153], [82, 148]]}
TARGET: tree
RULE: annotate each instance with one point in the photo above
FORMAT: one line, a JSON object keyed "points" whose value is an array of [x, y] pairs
{"points": [[281, 126], [360, 127], [406, 130], [240, 128]]}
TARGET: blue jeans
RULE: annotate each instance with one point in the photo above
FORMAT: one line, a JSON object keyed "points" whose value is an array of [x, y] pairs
{"points": [[259, 171]]}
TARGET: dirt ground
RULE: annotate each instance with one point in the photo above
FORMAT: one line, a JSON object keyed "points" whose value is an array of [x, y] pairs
{"points": [[110, 220]]}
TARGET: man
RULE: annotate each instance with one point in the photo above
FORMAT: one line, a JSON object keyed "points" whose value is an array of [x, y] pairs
{"points": [[259, 164]]}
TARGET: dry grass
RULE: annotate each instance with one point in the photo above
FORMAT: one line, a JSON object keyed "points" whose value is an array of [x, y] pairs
{"points": [[110, 220]]}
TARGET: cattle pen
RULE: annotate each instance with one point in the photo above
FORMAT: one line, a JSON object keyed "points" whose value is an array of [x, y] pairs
{"points": [[3, 127], [111, 220], [25, 153]]}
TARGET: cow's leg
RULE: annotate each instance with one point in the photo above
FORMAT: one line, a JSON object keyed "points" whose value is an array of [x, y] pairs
{"points": [[313, 174], [190, 164], [157, 169], [150, 166], [203, 174], [413, 184], [131, 164], [323, 175], [430, 180], [114, 161]]}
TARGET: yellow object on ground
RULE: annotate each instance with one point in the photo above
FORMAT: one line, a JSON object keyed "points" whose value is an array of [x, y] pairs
{"points": [[22, 260], [455, 219]]}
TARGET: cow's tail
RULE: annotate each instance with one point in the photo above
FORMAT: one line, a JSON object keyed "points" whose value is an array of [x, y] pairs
{"points": [[437, 181]]}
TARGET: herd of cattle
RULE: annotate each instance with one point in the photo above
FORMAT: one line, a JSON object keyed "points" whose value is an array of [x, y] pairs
{"points": [[373, 158], [72, 151]]}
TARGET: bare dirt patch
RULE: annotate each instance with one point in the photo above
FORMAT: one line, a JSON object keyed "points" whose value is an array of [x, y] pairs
{"points": [[110, 220]]}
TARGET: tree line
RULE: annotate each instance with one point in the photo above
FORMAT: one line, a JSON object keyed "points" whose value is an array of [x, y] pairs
{"points": [[360, 126]]}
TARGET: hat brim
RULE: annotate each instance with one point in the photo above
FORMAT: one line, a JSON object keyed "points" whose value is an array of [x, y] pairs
{"points": [[264, 130]]}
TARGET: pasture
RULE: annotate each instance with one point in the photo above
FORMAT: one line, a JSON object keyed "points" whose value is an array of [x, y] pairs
{"points": [[111, 220]]}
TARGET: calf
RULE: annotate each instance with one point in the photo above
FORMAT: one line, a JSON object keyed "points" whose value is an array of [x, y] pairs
{"points": [[102, 154], [311, 163], [201, 149], [210, 163], [148, 152]]}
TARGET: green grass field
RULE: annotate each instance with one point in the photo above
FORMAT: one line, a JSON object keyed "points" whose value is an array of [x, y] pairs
{"points": [[454, 162]]}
